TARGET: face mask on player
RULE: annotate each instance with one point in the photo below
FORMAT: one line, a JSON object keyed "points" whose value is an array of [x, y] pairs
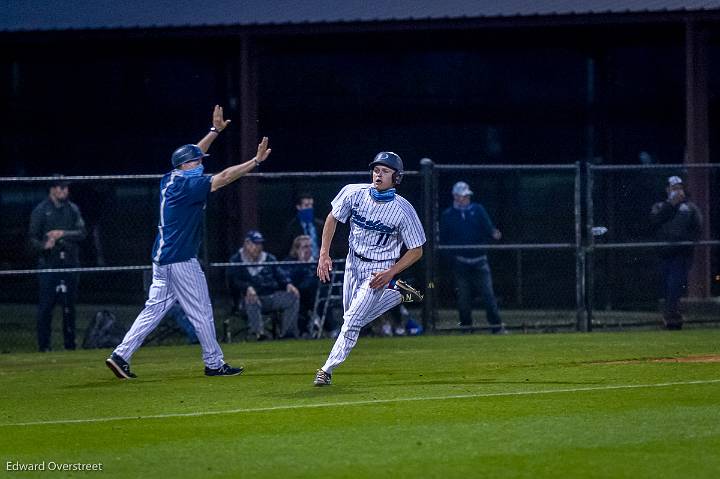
{"points": [[382, 196]]}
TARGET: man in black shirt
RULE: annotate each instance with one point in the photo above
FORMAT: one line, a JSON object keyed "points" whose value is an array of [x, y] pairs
{"points": [[675, 219], [56, 228]]}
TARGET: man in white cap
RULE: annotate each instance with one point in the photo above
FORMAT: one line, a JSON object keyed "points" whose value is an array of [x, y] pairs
{"points": [[467, 223], [675, 219]]}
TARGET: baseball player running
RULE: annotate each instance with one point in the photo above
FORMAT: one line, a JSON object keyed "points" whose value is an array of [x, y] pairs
{"points": [[176, 272], [380, 223]]}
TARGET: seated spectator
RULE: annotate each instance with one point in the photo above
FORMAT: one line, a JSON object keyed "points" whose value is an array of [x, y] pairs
{"points": [[304, 278], [263, 289]]}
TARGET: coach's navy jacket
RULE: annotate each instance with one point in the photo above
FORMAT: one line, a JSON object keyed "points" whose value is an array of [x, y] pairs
{"points": [[470, 226]]}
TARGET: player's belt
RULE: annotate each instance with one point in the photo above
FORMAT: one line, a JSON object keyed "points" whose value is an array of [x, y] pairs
{"points": [[363, 258]]}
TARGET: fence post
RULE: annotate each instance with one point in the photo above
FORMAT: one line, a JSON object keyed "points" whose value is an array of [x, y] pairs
{"points": [[589, 257], [430, 223], [580, 314]]}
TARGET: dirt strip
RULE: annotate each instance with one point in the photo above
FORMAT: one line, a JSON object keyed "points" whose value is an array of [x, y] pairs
{"points": [[706, 358]]}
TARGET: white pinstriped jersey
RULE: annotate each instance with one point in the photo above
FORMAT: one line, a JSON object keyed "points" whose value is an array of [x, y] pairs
{"points": [[377, 229]]}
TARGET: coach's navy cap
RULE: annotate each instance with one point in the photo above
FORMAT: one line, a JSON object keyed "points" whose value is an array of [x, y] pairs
{"points": [[255, 236]]}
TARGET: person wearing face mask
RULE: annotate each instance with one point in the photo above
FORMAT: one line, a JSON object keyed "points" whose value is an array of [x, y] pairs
{"points": [[56, 229], [304, 223], [468, 223], [675, 219], [382, 223], [176, 271]]}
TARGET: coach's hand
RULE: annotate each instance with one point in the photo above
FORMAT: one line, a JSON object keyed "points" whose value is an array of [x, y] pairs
{"points": [[324, 267], [381, 279], [263, 151], [218, 122]]}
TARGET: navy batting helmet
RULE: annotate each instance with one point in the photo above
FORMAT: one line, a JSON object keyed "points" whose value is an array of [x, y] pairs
{"points": [[187, 153], [391, 160]]}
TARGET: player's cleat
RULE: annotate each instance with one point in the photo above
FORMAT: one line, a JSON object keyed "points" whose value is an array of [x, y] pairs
{"points": [[322, 378], [119, 366], [224, 370], [409, 294]]}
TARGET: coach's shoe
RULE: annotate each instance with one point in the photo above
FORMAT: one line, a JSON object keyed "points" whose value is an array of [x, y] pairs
{"points": [[409, 294], [224, 370], [119, 366], [322, 378]]}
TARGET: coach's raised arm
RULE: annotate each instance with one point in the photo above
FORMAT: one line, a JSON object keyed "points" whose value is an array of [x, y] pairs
{"points": [[232, 173]]}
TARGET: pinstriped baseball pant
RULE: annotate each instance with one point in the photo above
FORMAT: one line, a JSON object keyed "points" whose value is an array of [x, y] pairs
{"points": [[184, 282], [362, 304]]}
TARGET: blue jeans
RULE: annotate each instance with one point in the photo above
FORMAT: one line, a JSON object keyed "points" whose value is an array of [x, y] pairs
{"points": [[675, 271], [470, 278]]}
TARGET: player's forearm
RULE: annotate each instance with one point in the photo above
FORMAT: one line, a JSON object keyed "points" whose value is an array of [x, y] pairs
{"points": [[410, 257], [231, 174], [327, 234]]}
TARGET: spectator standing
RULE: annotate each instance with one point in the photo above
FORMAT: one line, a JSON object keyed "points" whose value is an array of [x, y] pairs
{"points": [[304, 223], [675, 219], [56, 229], [467, 223]]}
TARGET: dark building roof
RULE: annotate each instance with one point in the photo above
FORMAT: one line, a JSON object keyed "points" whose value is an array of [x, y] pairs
{"points": [[39, 15]]}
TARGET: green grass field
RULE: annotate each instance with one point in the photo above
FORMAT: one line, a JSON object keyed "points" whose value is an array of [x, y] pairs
{"points": [[557, 405]]}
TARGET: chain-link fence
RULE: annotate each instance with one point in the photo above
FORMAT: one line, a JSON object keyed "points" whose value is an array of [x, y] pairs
{"points": [[121, 217], [536, 267], [548, 270], [625, 262]]}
